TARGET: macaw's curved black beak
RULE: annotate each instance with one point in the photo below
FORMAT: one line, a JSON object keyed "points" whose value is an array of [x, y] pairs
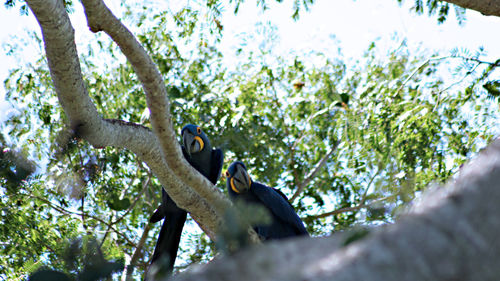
{"points": [[192, 143], [241, 181]]}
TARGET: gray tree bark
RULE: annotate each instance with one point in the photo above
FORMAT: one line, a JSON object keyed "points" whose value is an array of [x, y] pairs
{"points": [[485, 7], [450, 233]]}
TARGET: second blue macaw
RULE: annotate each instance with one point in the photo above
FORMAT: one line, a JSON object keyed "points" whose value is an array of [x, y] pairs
{"points": [[285, 221]]}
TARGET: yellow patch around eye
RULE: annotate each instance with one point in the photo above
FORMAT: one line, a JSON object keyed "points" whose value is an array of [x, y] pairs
{"points": [[198, 130], [227, 174], [200, 141], [232, 186]]}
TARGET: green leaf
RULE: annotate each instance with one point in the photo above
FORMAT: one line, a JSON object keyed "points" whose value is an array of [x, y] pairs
{"points": [[118, 204], [493, 88], [48, 275]]}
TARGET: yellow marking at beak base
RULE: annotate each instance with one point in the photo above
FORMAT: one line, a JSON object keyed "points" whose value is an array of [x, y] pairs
{"points": [[233, 187], [200, 141]]}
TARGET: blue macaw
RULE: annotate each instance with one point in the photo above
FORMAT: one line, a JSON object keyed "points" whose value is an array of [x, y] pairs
{"points": [[285, 222], [199, 153]]}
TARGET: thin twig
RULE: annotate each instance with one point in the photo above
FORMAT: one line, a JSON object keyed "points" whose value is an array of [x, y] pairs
{"points": [[107, 230], [493, 64], [139, 196], [463, 78], [129, 269], [420, 68], [67, 212], [308, 121], [363, 197], [314, 172], [351, 209]]}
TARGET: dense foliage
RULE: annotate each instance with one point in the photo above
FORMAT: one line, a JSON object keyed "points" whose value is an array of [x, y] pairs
{"points": [[380, 130]]}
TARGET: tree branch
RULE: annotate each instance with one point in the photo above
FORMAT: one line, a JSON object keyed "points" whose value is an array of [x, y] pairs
{"points": [[67, 212], [424, 64], [129, 209], [62, 58], [64, 66], [129, 269], [485, 7], [139, 197], [309, 177], [100, 18], [361, 205]]}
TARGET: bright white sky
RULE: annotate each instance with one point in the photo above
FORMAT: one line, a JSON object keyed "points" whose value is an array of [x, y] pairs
{"points": [[353, 23], [357, 23]]}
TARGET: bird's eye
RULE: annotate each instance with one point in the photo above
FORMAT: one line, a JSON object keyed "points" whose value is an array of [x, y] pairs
{"points": [[227, 174], [198, 130]]}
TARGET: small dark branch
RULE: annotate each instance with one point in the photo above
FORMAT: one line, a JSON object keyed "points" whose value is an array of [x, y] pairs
{"points": [[339, 211], [308, 121], [363, 197], [138, 252], [139, 197], [294, 170], [361, 204], [110, 223], [351, 209], [129, 269], [422, 66], [80, 175], [314, 172], [494, 64], [82, 200], [462, 79], [297, 141], [77, 214], [126, 123], [303, 134]]}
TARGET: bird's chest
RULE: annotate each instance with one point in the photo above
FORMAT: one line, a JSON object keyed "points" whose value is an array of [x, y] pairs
{"points": [[201, 166], [249, 198]]}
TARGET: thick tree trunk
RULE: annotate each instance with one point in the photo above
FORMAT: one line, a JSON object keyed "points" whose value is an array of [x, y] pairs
{"points": [[451, 233], [485, 7]]}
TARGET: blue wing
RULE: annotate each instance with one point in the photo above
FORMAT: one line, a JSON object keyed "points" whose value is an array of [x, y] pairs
{"points": [[276, 202], [217, 160]]}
